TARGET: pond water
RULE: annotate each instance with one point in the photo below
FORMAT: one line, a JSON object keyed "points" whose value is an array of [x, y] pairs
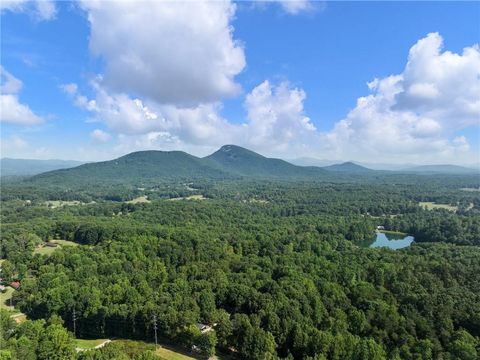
{"points": [[392, 241]]}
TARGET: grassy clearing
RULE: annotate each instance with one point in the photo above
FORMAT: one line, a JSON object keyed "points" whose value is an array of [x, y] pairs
{"points": [[191, 197], [19, 318], [44, 250], [258, 201], [88, 344], [59, 203], [5, 299], [431, 206], [139, 200], [471, 189], [168, 354], [64, 243]]}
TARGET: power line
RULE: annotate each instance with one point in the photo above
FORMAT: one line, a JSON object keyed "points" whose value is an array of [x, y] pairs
{"points": [[155, 329], [74, 323]]}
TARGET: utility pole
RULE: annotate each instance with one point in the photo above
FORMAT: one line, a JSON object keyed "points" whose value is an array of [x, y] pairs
{"points": [[155, 329], [74, 323]]}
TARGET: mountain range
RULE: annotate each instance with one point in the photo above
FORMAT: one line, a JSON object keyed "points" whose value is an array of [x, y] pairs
{"points": [[229, 162], [25, 167]]}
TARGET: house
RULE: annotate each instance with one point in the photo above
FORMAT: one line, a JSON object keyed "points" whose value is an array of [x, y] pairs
{"points": [[204, 328], [380, 227], [51, 244], [15, 285]]}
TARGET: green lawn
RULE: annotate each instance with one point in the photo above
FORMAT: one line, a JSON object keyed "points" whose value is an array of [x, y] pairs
{"points": [[44, 250], [191, 197], [431, 205], [19, 317], [5, 297], [168, 354], [64, 242], [59, 203], [88, 344], [138, 200]]}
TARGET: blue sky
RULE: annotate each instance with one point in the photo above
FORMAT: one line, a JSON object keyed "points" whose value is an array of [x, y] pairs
{"points": [[281, 79]]}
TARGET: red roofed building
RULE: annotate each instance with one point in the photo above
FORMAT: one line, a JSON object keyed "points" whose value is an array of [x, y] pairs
{"points": [[15, 285]]}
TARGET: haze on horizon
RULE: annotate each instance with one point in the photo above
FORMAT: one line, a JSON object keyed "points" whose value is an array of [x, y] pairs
{"points": [[294, 79]]}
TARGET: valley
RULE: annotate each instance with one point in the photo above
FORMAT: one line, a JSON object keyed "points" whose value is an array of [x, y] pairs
{"points": [[143, 254]]}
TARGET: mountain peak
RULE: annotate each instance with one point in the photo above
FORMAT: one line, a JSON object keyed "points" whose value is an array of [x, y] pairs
{"points": [[348, 166]]}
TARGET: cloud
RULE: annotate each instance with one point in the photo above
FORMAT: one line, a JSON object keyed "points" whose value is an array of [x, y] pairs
{"points": [[276, 117], [11, 110], [292, 7], [40, 10], [295, 7], [415, 115], [100, 136], [14, 143], [180, 53], [9, 83]]}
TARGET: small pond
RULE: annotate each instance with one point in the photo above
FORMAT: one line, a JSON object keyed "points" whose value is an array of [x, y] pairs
{"points": [[392, 241]]}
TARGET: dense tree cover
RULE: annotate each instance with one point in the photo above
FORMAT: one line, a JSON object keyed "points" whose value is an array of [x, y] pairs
{"points": [[274, 265], [32, 340]]}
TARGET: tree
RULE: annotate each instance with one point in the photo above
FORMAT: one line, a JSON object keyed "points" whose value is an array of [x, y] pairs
{"points": [[56, 344], [206, 342], [463, 346]]}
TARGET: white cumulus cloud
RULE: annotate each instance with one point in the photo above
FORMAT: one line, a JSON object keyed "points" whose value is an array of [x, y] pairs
{"points": [[166, 51], [41, 10], [414, 116], [11, 109], [276, 118], [100, 136]]}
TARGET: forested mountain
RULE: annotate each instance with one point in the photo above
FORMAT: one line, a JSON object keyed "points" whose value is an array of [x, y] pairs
{"points": [[22, 167], [135, 168], [442, 169], [348, 167], [147, 167], [248, 163]]}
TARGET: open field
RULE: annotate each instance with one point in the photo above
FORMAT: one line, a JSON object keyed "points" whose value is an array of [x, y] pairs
{"points": [[258, 201], [59, 203], [44, 250], [19, 317], [431, 205], [5, 298], [64, 243], [138, 200], [168, 354], [191, 197], [471, 189], [86, 344]]}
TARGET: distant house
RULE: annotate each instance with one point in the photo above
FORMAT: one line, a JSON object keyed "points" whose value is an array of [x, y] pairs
{"points": [[380, 227], [15, 285], [51, 244], [204, 328]]}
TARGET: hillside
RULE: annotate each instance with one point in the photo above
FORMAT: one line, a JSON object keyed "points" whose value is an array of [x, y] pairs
{"points": [[135, 168], [442, 169], [348, 167], [238, 160], [148, 167], [25, 167]]}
